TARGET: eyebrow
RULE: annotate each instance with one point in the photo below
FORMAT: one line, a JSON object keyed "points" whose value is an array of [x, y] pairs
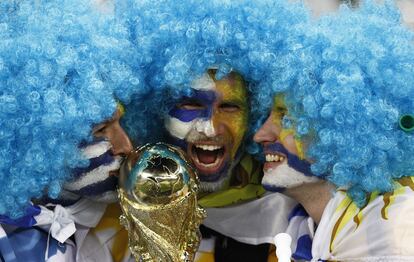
{"points": [[236, 101], [281, 108]]}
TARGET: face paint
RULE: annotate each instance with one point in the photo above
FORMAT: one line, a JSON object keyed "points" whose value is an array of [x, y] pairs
{"points": [[285, 166], [98, 181], [210, 124], [95, 181]]}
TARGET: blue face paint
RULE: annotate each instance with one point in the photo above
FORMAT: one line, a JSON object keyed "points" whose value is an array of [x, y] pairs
{"points": [[294, 161], [272, 188], [98, 188], [204, 98], [102, 160]]}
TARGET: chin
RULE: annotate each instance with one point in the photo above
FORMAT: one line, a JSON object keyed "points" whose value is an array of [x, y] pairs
{"points": [[210, 187], [284, 177]]}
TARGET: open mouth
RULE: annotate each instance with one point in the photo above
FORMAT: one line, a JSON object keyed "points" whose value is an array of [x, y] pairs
{"points": [[208, 158], [273, 160]]}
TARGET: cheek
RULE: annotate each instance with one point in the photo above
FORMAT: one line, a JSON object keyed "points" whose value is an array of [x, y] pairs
{"points": [[235, 126], [180, 122], [290, 143], [177, 128]]}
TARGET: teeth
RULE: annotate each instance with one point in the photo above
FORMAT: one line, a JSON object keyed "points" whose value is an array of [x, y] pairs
{"points": [[274, 158], [208, 147]]}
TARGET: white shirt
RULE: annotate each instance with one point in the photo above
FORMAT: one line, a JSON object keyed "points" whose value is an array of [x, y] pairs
{"points": [[383, 230]]}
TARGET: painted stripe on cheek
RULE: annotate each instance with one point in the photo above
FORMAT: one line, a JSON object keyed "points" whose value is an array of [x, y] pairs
{"points": [[104, 159], [177, 128], [185, 115], [294, 161]]}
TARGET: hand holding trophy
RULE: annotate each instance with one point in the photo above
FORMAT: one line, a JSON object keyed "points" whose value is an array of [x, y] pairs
{"points": [[158, 197]]}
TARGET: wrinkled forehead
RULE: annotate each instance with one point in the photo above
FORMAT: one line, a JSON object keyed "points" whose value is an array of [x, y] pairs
{"points": [[208, 89]]}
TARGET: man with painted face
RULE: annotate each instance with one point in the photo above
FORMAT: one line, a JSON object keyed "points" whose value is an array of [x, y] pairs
{"points": [[74, 219], [105, 153], [63, 142], [337, 140], [286, 169], [210, 124]]}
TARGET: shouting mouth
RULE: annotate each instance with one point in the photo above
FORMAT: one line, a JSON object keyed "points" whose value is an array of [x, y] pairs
{"points": [[273, 160], [207, 157]]}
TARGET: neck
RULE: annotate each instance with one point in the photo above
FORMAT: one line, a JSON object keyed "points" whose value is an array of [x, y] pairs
{"points": [[313, 197]]}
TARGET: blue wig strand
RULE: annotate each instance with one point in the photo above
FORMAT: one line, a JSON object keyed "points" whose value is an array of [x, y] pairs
{"points": [[357, 80], [60, 66]]}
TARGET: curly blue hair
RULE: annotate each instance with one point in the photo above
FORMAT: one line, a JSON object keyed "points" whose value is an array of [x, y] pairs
{"points": [[177, 41], [60, 66], [356, 80]]}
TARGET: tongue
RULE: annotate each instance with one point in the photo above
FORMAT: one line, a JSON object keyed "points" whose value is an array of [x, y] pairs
{"points": [[207, 157]]}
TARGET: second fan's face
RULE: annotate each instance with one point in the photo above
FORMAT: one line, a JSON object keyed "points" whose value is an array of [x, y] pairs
{"points": [[211, 123], [285, 166]]}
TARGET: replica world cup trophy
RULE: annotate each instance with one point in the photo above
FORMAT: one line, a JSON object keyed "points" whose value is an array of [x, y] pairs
{"points": [[158, 197]]}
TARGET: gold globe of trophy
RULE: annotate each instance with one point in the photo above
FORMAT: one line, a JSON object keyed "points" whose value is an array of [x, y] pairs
{"points": [[158, 197]]}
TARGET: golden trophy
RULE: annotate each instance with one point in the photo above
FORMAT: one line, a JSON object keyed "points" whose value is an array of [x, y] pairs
{"points": [[158, 196]]}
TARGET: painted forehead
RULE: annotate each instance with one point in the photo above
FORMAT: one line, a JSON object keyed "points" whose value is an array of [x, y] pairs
{"points": [[207, 89], [231, 89], [279, 103]]}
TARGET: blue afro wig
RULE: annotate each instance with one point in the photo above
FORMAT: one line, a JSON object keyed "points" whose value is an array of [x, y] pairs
{"points": [[60, 65], [356, 80], [177, 41]]}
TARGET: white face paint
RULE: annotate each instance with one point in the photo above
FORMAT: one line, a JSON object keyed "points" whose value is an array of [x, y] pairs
{"points": [[95, 183], [182, 129], [204, 83], [283, 177]]}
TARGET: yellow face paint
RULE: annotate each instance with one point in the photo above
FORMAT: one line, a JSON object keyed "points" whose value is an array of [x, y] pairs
{"points": [[230, 116], [120, 107], [286, 136]]}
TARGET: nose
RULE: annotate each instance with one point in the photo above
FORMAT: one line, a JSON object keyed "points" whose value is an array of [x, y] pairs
{"points": [[206, 127], [121, 145], [268, 132]]}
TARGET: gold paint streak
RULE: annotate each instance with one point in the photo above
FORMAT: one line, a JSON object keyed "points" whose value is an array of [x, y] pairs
{"points": [[232, 89], [204, 257], [299, 147], [280, 110], [121, 108], [120, 246], [335, 229], [272, 254], [407, 181], [344, 204], [387, 201], [110, 219], [358, 217]]}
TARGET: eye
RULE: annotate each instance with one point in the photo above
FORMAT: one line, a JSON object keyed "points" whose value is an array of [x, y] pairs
{"points": [[280, 111], [191, 105], [230, 107], [99, 130]]}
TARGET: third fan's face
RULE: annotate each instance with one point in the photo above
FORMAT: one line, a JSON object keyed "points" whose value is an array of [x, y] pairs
{"points": [[285, 166], [210, 124], [98, 181]]}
